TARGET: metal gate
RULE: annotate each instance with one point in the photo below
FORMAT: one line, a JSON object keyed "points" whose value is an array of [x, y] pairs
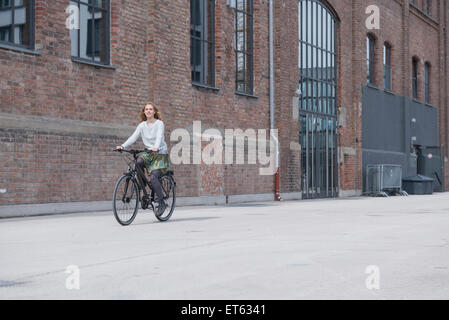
{"points": [[319, 156], [317, 99]]}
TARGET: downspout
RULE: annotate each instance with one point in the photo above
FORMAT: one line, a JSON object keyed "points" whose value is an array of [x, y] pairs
{"points": [[277, 195]]}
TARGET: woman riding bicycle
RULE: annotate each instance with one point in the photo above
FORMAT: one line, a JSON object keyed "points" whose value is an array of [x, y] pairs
{"points": [[156, 160]]}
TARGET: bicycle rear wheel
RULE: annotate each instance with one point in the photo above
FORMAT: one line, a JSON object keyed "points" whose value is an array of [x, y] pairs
{"points": [[125, 202], [168, 189]]}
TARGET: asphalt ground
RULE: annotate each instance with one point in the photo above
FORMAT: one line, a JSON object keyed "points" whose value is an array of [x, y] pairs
{"points": [[354, 248]]}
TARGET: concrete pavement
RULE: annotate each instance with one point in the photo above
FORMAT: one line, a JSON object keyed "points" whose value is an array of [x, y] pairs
{"points": [[355, 248]]}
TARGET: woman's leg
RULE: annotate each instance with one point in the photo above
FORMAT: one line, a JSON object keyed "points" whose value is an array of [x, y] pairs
{"points": [[156, 184], [140, 167]]}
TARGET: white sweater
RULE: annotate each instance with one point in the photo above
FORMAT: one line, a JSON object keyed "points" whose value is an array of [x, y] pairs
{"points": [[152, 136]]}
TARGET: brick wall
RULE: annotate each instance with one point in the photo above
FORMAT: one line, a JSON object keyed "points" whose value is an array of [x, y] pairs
{"points": [[150, 52], [43, 166]]}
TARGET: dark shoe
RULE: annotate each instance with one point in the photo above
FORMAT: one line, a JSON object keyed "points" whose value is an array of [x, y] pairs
{"points": [[161, 207], [145, 202]]}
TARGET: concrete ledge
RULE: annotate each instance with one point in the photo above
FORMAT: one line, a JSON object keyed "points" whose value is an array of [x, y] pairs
{"points": [[349, 193], [63, 126]]}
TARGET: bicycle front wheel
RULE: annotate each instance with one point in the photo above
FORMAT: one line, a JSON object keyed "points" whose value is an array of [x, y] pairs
{"points": [[125, 202]]}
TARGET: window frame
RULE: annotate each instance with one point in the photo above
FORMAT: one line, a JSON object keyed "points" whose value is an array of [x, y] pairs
{"points": [[371, 59], [31, 27], [415, 73], [107, 39], [427, 75], [248, 40], [388, 70], [209, 20]]}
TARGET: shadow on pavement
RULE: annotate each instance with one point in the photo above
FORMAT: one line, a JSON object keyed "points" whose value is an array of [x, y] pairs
{"points": [[177, 220]]}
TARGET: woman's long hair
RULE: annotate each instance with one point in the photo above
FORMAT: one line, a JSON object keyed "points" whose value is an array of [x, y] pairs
{"points": [[157, 114]]}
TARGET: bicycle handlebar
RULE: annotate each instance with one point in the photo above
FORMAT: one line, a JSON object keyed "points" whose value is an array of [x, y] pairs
{"points": [[132, 151]]}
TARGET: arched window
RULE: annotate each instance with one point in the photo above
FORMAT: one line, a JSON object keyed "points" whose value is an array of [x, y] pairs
{"points": [[317, 57]]}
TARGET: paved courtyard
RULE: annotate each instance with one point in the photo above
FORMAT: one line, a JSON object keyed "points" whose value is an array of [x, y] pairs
{"points": [[355, 248]]}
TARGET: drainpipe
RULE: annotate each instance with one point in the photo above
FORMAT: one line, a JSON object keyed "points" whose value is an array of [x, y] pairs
{"points": [[277, 196]]}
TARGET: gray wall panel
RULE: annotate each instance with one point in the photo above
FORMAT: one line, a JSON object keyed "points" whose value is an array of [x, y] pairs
{"points": [[387, 129], [382, 121]]}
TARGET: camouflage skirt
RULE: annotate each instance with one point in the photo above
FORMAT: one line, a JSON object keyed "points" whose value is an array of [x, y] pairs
{"points": [[155, 161]]}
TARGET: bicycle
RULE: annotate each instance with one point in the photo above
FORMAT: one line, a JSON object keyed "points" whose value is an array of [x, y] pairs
{"points": [[128, 189]]}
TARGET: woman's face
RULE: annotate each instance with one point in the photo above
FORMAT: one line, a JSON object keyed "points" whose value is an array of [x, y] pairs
{"points": [[149, 111]]}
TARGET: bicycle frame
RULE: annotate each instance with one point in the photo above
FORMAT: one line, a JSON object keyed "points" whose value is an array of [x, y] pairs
{"points": [[140, 178]]}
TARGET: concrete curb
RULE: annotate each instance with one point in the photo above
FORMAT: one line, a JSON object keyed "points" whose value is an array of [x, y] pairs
{"points": [[29, 210], [291, 196], [240, 198]]}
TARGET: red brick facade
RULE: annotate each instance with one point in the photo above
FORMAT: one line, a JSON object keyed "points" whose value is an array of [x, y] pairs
{"points": [[150, 58]]}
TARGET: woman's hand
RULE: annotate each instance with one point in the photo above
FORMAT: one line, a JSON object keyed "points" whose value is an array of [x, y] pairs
{"points": [[154, 149], [119, 148]]}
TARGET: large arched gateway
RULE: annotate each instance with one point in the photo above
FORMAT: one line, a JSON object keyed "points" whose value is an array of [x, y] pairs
{"points": [[317, 99]]}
